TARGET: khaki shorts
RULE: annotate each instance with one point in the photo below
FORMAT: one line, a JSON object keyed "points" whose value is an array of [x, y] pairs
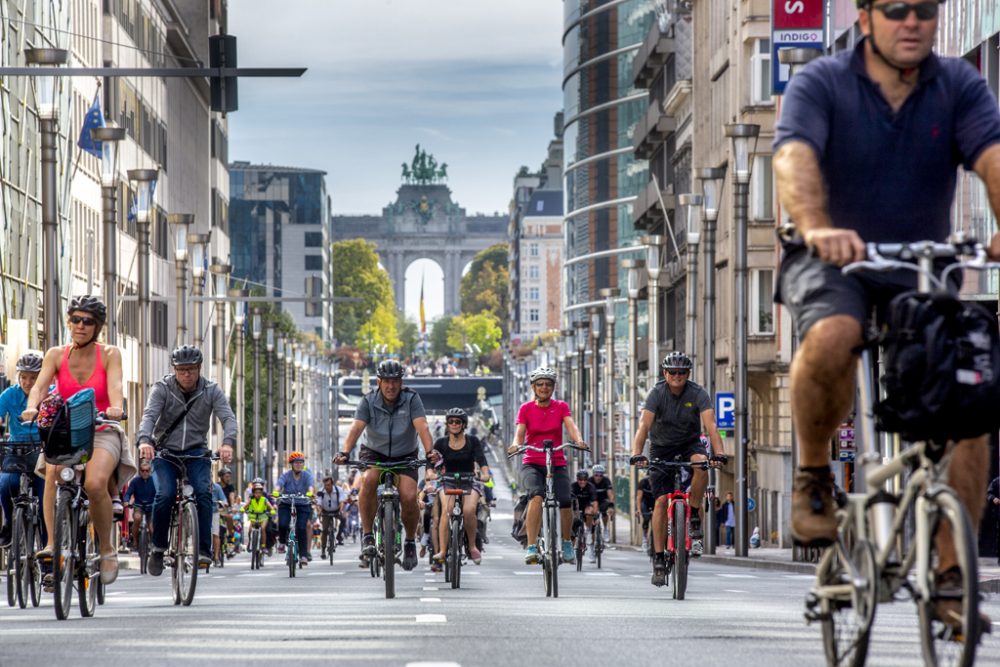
{"points": [[111, 440]]}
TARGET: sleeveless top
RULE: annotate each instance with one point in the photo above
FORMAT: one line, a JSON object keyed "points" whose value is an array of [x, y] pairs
{"points": [[67, 385]]}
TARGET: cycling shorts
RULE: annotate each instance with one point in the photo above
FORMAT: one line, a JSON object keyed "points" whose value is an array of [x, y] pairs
{"points": [[370, 456], [533, 483]]}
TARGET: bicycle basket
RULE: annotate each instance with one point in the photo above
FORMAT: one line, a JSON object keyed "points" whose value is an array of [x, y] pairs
{"points": [[70, 439], [19, 457]]}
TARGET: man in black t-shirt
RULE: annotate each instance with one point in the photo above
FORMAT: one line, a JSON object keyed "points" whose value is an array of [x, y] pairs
{"points": [[586, 497], [673, 417], [605, 497], [644, 501]]}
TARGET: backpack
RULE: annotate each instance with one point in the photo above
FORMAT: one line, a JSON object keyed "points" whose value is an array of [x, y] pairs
{"points": [[942, 369]]}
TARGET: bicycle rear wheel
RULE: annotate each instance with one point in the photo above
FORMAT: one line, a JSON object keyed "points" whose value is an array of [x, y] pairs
{"points": [[19, 551], [186, 564], [455, 557], [951, 641], [34, 567], [389, 548], [554, 550], [8, 566], [63, 561], [846, 619], [88, 571], [581, 546], [680, 571], [143, 545], [598, 546]]}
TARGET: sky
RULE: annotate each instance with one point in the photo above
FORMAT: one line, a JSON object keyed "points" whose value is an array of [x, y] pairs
{"points": [[475, 83]]}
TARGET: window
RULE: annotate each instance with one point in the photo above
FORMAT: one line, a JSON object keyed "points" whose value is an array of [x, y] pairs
{"points": [[760, 72], [533, 250], [314, 239], [533, 315], [314, 262], [762, 189], [532, 294], [533, 272], [762, 301]]}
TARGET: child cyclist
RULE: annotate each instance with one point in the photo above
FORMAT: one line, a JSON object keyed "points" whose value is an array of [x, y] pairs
{"points": [[259, 508]]}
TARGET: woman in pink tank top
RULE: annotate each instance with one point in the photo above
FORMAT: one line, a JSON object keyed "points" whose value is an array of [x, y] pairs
{"points": [[86, 363]]}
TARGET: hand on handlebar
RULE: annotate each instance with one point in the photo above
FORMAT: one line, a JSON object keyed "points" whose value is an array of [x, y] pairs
{"points": [[434, 456], [639, 460], [718, 460], [146, 451], [835, 246], [341, 458], [29, 415], [513, 449]]}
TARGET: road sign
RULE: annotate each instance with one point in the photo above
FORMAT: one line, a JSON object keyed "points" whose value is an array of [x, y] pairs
{"points": [[725, 410], [751, 504], [795, 24]]}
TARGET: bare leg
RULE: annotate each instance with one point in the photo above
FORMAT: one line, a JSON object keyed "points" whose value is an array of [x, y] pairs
{"points": [[823, 374], [660, 524], [99, 469], [408, 503], [566, 522], [367, 502], [699, 480], [533, 519], [469, 517], [49, 502], [444, 530], [966, 475]]}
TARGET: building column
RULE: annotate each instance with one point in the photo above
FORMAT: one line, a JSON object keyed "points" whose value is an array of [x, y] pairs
{"points": [[394, 262]]}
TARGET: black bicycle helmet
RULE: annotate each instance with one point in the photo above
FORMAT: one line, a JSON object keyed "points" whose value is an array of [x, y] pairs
{"points": [[390, 369], [582, 474], [457, 412], [89, 304], [677, 360], [186, 355], [30, 362], [542, 373]]}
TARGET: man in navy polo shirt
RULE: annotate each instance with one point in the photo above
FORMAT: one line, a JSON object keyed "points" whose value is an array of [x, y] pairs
{"points": [[867, 149]]}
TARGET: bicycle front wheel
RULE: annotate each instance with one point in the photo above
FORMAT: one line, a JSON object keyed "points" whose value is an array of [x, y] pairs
{"points": [[847, 605], [186, 564], [389, 548], [680, 572], [949, 619], [88, 572], [455, 559], [34, 568], [63, 561], [554, 548], [19, 551]]}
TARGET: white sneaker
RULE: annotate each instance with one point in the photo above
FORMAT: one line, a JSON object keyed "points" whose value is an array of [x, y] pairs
{"points": [[607, 535], [593, 555], [697, 548]]}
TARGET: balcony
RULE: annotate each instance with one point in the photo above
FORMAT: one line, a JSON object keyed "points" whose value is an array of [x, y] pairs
{"points": [[646, 212], [651, 130], [651, 56]]}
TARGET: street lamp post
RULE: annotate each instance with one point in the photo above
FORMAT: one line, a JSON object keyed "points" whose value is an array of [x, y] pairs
{"points": [[239, 320], [581, 352], [691, 203], [610, 295], [269, 458], [198, 244], [180, 223], [596, 438], [144, 181], [653, 244], [280, 439], [48, 118], [632, 267], [740, 135], [109, 138], [255, 332], [220, 274]]}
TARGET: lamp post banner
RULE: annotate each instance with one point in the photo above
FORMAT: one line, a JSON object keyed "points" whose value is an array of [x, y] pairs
{"points": [[794, 24]]}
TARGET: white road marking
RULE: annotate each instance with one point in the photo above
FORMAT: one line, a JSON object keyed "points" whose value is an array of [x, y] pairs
{"points": [[739, 576], [527, 572], [430, 599], [733, 590], [432, 664], [432, 618], [432, 588], [602, 574]]}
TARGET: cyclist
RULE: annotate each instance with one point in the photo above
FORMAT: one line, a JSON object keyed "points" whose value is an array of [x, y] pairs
{"points": [[426, 501], [331, 501], [392, 418], [101, 367], [867, 149], [176, 419], [231, 499], [644, 503], [140, 495], [540, 419], [219, 528], [587, 504], [672, 417], [296, 480], [12, 403], [605, 497], [460, 452]]}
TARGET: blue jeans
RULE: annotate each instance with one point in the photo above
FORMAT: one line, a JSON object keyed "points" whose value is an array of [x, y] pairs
{"points": [[10, 486], [199, 475], [303, 529], [729, 536]]}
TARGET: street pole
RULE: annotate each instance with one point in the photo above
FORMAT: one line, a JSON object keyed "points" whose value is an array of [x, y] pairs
{"points": [[198, 243], [609, 295], [48, 117], [633, 266], [238, 322], [109, 138], [280, 438], [145, 181], [581, 352], [255, 332], [741, 134], [712, 180], [181, 222], [220, 273], [595, 383], [653, 244], [265, 471]]}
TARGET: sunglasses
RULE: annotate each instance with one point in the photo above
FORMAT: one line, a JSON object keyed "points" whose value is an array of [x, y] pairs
{"points": [[676, 372], [545, 383], [900, 11], [87, 321], [455, 421], [185, 370], [144, 472]]}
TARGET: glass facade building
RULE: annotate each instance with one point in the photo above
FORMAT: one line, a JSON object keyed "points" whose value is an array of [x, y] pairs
{"points": [[602, 107]]}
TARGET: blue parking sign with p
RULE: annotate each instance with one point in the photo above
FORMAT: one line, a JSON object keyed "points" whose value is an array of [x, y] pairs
{"points": [[725, 410]]}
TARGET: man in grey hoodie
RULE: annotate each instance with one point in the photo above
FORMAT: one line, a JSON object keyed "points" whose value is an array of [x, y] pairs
{"points": [[176, 420]]}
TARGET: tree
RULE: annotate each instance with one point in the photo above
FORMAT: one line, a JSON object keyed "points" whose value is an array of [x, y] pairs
{"points": [[380, 329], [481, 330], [409, 336], [486, 284], [439, 337], [356, 274]]}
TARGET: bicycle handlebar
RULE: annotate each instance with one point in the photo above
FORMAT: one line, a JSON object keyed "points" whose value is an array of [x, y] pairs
{"points": [[893, 256], [408, 464], [541, 450], [663, 463]]}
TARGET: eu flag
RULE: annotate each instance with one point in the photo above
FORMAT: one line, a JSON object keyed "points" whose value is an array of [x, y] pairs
{"points": [[93, 120]]}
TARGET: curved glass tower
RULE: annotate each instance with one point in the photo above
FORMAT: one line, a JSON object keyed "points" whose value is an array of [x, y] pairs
{"points": [[602, 107]]}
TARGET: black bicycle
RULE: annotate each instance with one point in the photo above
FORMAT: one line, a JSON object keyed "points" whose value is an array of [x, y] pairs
{"points": [[24, 576], [75, 556], [142, 539], [254, 540], [331, 527], [457, 548], [183, 551], [549, 542], [388, 528]]}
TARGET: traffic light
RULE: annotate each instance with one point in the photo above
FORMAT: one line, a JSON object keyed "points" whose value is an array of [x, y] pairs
{"points": [[222, 53]]}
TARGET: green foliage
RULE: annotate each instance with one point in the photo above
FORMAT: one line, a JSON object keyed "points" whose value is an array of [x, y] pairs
{"points": [[356, 274], [439, 337], [485, 286], [379, 330], [482, 330], [409, 335]]}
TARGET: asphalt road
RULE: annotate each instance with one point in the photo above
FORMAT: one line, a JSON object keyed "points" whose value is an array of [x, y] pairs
{"points": [[338, 614]]}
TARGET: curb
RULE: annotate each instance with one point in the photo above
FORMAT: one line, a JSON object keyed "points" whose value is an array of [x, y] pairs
{"points": [[760, 564]]}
